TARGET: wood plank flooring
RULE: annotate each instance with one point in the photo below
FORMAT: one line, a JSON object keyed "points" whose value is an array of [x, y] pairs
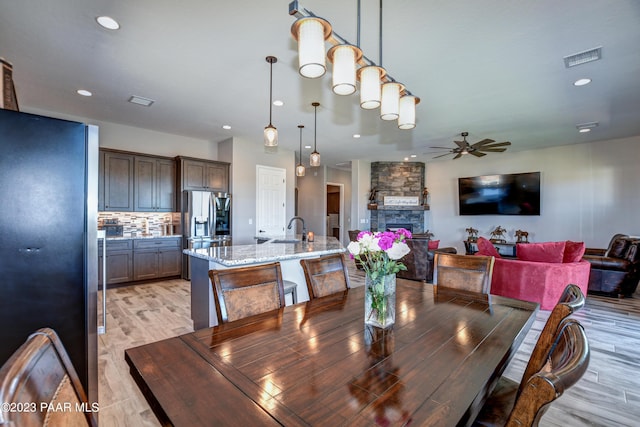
{"points": [[607, 395]]}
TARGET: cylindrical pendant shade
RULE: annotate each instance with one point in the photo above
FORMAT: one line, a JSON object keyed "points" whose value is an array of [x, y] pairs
{"points": [[370, 80], [311, 32], [407, 115], [314, 159], [300, 171], [390, 103], [344, 58], [270, 136]]}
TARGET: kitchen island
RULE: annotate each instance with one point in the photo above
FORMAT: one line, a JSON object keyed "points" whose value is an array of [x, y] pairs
{"points": [[288, 250]]}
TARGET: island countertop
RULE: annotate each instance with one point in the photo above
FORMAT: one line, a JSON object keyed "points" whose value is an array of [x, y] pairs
{"points": [[271, 251]]}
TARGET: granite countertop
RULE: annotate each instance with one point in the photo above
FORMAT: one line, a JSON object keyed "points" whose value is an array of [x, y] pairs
{"points": [[233, 256], [140, 236]]}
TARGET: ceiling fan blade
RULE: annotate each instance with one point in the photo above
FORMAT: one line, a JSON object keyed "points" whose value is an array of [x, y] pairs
{"points": [[497, 144], [442, 155], [492, 150], [457, 156], [483, 142], [477, 153], [461, 144]]}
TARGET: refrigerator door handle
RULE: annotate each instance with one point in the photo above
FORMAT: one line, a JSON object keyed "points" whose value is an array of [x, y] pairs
{"points": [[103, 236]]}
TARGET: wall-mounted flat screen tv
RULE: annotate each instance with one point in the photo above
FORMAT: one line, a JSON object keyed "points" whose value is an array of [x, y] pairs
{"points": [[508, 194]]}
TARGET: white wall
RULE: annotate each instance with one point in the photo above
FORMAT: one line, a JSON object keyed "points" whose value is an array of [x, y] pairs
{"points": [[244, 156], [589, 192], [312, 199], [360, 188]]}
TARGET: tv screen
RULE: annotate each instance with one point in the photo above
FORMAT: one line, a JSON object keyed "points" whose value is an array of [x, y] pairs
{"points": [[512, 194]]}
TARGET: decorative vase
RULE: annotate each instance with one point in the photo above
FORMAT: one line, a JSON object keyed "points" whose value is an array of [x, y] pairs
{"points": [[380, 301]]}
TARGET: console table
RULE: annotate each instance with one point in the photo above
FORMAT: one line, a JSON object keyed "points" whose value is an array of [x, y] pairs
{"points": [[506, 250]]}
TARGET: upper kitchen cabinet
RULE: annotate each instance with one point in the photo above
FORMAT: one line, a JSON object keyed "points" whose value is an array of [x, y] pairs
{"points": [[205, 175], [117, 178], [154, 182]]}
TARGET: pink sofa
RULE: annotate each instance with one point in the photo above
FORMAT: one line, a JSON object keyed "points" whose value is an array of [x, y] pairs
{"points": [[540, 281]]}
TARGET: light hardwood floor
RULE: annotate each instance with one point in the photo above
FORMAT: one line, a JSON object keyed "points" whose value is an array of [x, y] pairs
{"points": [[607, 395]]}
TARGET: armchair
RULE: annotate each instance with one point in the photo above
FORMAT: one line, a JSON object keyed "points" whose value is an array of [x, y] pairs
{"points": [[419, 261], [615, 271]]}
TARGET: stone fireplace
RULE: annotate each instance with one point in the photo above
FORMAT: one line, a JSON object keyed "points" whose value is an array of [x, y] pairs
{"points": [[398, 197]]}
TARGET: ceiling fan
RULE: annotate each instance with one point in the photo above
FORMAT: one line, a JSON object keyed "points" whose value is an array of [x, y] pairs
{"points": [[478, 149]]}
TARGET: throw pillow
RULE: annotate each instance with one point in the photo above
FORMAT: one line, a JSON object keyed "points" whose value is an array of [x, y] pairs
{"points": [[433, 244], [486, 248], [573, 251], [541, 252]]}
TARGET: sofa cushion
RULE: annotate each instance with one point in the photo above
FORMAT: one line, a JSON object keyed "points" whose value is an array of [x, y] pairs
{"points": [[486, 248], [573, 251], [541, 252], [433, 244]]}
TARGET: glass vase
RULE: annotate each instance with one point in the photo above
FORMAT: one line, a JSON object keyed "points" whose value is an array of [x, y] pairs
{"points": [[380, 301]]}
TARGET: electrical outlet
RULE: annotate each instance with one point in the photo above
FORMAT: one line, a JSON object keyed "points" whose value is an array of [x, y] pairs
{"points": [[250, 221]]}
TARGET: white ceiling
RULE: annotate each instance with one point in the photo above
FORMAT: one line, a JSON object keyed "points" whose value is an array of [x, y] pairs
{"points": [[492, 68]]}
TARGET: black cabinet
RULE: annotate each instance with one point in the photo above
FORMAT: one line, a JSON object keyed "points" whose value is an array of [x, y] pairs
{"points": [[117, 177], [203, 175], [154, 184], [157, 258], [506, 250], [119, 261]]}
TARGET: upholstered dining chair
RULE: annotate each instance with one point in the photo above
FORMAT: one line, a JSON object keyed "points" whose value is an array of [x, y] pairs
{"points": [[325, 275], [566, 362], [467, 273], [246, 291], [39, 377]]}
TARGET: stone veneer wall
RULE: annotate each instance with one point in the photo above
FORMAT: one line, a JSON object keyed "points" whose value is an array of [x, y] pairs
{"points": [[397, 179]]}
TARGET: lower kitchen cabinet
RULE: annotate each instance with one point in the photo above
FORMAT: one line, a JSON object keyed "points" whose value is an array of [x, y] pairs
{"points": [[119, 261], [157, 258]]}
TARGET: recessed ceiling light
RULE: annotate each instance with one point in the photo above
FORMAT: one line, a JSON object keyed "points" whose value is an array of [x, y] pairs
{"points": [[586, 127], [582, 82], [278, 103], [413, 156], [406, 159], [227, 127], [307, 147], [356, 135], [146, 102], [108, 22], [83, 92]]}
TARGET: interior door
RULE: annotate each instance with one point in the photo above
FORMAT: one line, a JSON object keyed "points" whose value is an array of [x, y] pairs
{"points": [[271, 204]]}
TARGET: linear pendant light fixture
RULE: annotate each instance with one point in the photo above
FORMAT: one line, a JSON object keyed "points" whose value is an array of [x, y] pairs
{"points": [[377, 87], [300, 167], [314, 159], [270, 132]]}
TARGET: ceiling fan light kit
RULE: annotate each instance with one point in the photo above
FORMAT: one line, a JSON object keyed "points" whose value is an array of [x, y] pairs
{"points": [[377, 87]]}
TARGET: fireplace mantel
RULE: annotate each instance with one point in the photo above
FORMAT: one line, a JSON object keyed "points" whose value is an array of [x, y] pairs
{"points": [[398, 208]]}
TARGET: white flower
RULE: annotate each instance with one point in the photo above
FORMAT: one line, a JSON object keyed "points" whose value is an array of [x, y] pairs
{"points": [[354, 248], [398, 250]]}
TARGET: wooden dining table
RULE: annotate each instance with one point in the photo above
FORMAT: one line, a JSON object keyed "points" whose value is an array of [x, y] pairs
{"points": [[316, 363]]}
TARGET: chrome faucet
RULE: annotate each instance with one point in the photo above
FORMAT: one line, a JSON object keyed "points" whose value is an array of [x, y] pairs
{"points": [[304, 230]]}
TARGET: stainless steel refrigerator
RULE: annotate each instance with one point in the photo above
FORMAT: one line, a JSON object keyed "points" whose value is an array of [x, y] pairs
{"points": [[206, 222], [48, 236]]}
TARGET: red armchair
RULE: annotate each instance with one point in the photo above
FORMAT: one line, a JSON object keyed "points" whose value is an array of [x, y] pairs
{"points": [[543, 274]]}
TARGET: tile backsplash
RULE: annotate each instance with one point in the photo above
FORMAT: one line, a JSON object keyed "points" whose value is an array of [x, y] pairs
{"points": [[157, 224]]}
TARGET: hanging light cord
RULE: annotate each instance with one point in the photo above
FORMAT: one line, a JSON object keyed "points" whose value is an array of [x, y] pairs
{"points": [[300, 127], [315, 124], [270, 90]]}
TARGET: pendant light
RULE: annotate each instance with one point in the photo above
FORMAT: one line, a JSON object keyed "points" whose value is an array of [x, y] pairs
{"points": [[311, 33], [407, 113], [300, 167], [390, 102], [270, 132], [344, 58], [314, 159]]}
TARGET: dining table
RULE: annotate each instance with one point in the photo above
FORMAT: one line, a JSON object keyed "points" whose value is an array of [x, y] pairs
{"points": [[318, 363]]}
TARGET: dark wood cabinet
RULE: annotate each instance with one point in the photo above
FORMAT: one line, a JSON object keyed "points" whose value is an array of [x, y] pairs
{"points": [[506, 250], [204, 175], [119, 261], [157, 258], [154, 181], [117, 175]]}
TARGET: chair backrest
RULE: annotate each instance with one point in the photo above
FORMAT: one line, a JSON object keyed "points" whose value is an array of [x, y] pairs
{"points": [[468, 273], [40, 377], [246, 291], [568, 360], [325, 275], [571, 300]]}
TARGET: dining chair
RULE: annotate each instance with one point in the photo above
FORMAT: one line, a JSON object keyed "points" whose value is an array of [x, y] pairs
{"points": [[467, 273], [325, 275], [43, 384], [566, 362], [246, 291]]}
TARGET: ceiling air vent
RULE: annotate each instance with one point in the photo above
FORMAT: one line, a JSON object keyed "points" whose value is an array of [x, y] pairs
{"points": [[146, 102], [583, 57]]}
